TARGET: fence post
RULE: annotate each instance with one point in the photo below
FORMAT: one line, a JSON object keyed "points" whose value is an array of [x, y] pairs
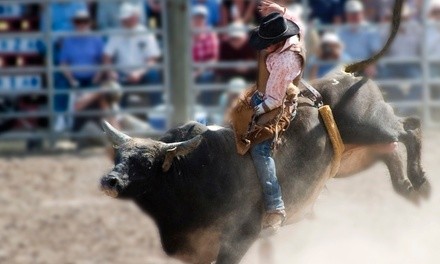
{"points": [[48, 41], [179, 68], [426, 93]]}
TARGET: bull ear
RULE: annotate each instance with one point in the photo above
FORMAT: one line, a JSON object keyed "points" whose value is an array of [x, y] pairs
{"points": [[179, 149], [116, 137]]}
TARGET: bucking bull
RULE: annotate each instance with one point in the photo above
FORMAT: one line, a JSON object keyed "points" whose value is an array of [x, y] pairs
{"points": [[206, 199]]}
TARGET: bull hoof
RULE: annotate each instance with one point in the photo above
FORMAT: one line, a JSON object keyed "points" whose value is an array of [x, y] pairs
{"points": [[311, 215], [425, 190], [413, 196], [406, 190]]}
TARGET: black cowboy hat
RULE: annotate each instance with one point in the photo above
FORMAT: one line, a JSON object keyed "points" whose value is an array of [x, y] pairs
{"points": [[273, 29]]}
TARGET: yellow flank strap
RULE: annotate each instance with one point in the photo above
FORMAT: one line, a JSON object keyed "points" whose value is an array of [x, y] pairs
{"points": [[335, 137]]}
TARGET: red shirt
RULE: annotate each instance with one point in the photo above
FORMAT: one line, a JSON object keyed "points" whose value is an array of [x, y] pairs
{"points": [[205, 47]]}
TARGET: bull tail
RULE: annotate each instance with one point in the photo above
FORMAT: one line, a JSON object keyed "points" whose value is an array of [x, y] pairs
{"points": [[360, 66]]}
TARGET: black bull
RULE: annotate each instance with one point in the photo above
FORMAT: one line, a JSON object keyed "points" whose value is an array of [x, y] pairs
{"points": [[206, 199]]}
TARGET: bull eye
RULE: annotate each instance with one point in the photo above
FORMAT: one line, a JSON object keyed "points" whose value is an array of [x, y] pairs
{"points": [[118, 158], [149, 164]]}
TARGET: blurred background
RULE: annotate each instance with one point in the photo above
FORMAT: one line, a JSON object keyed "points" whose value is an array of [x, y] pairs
{"points": [[65, 65]]}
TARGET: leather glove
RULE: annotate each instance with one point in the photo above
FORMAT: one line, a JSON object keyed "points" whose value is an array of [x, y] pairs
{"points": [[259, 110]]}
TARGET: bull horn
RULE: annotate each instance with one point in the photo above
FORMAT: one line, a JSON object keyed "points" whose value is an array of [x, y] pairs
{"points": [[116, 137], [179, 149]]}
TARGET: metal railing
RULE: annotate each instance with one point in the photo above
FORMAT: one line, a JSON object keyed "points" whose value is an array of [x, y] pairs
{"points": [[47, 37]]}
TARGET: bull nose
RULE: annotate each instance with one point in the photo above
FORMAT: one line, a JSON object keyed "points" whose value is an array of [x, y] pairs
{"points": [[111, 185], [111, 181]]}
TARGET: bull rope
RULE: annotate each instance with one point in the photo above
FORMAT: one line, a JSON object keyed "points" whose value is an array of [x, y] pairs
{"points": [[335, 138]]}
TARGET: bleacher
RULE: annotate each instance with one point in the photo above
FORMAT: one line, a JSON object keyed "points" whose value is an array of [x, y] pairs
{"points": [[19, 54]]}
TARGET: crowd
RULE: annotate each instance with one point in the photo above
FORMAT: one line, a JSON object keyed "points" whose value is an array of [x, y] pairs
{"points": [[337, 31]]}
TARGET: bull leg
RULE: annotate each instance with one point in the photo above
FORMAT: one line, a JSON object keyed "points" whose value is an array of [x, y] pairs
{"points": [[412, 138], [235, 245], [400, 182], [266, 252]]}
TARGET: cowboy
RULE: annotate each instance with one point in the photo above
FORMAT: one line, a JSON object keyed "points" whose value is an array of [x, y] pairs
{"points": [[279, 37]]}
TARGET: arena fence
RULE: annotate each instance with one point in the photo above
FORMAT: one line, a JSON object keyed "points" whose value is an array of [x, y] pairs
{"points": [[12, 86]]}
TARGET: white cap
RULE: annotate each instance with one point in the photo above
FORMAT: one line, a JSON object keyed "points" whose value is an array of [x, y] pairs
{"points": [[330, 37], [434, 4], [127, 10], [237, 30], [296, 9], [406, 10], [200, 10], [81, 14], [236, 85], [354, 6]]}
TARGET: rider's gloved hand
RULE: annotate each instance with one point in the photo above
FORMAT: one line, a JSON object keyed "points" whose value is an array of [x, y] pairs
{"points": [[259, 110]]}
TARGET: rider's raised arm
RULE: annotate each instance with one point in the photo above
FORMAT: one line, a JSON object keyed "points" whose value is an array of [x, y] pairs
{"points": [[283, 70], [294, 18]]}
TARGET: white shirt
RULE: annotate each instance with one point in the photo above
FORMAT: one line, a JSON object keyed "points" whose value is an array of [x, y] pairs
{"points": [[407, 42], [133, 49], [433, 40]]}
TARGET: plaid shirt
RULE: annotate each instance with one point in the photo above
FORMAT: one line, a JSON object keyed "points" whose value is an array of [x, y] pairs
{"points": [[284, 66], [205, 47]]}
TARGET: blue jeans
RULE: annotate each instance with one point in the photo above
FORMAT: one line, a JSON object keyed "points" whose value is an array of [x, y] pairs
{"points": [[402, 71], [266, 171], [153, 76], [207, 98], [61, 101]]}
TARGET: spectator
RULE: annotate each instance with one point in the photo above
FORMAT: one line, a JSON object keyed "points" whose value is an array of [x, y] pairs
{"points": [[62, 13], [236, 48], [238, 10], [81, 51], [205, 44], [377, 10], [361, 39], [433, 36], [433, 50], [327, 11], [96, 101], [154, 11], [61, 20], [76, 51], [405, 46], [331, 54], [135, 53], [213, 7], [205, 48], [235, 88], [107, 13], [374, 9], [410, 33]]}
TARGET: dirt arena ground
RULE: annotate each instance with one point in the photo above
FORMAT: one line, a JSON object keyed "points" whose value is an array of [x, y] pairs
{"points": [[52, 212]]}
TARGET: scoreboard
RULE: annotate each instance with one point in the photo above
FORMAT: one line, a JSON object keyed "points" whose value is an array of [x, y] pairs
{"points": [[11, 10], [16, 52], [18, 45], [20, 82]]}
